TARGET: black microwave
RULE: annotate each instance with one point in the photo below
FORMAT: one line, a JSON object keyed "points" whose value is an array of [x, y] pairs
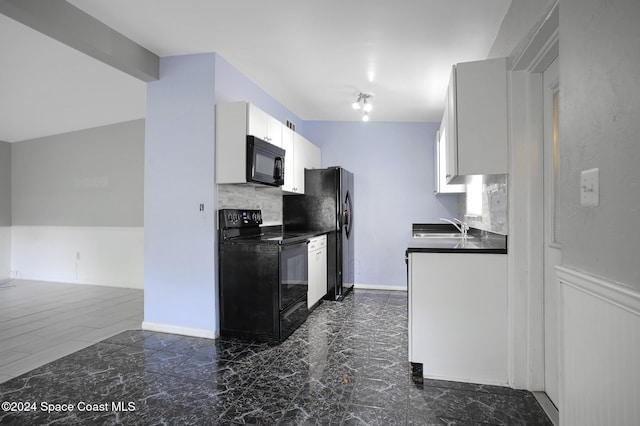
{"points": [[265, 162]]}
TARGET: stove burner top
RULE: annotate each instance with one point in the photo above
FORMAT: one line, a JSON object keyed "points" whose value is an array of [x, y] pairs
{"points": [[239, 225]]}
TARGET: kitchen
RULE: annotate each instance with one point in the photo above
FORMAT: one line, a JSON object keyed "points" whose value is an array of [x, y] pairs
{"points": [[615, 267]]}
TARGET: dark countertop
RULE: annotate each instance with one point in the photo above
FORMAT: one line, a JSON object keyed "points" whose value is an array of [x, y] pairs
{"points": [[481, 242], [275, 234]]}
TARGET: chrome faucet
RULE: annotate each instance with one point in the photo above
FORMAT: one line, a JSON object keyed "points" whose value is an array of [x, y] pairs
{"points": [[461, 226]]}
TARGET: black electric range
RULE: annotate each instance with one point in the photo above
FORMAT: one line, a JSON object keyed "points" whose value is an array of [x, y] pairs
{"points": [[263, 277]]}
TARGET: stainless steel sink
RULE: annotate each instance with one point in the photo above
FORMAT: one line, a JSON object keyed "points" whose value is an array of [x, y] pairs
{"points": [[441, 235]]}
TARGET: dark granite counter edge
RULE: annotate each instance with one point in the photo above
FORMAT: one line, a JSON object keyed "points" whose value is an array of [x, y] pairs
{"points": [[497, 243], [456, 250]]}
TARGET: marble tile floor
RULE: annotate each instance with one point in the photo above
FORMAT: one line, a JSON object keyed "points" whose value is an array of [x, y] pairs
{"points": [[43, 321], [347, 364]]}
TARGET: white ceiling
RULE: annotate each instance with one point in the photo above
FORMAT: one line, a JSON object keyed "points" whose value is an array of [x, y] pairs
{"points": [[313, 57]]}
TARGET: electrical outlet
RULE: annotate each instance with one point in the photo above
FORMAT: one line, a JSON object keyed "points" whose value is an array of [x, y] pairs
{"points": [[590, 188]]}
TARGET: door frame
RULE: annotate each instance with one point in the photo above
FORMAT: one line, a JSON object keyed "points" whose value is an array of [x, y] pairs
{"points": [[526, 206], [552, 247]]}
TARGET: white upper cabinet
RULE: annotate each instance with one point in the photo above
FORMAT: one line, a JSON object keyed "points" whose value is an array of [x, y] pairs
{"points": [[236, 120], [440, 155], [287, 145], [231, 142], [300, 154], [477, 134], [263, 126]]}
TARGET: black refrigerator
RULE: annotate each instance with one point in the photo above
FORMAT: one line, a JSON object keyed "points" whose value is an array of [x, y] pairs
{"points": [[327, 206]]}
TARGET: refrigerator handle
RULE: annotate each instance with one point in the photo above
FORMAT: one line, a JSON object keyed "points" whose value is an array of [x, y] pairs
{"points": [[347, 213]]}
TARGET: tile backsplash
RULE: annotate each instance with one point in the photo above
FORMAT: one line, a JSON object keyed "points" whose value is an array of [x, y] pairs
{"points": [[494, 206], [248, 196]]}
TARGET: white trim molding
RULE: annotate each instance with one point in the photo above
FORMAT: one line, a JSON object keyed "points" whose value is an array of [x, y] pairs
{"points": [[175, 329], [379, 287], [610, 292], [542, 46], [526, 263]]}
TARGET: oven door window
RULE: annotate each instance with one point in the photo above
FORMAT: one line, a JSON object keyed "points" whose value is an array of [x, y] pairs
{"points": [[294, 280]]}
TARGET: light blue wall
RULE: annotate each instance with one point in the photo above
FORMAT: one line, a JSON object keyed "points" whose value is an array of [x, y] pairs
{"points": [[392, 165], [233, 86], [179, 269]]}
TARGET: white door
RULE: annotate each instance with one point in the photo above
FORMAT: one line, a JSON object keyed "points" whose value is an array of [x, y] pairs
{"points": [[552, 248]]}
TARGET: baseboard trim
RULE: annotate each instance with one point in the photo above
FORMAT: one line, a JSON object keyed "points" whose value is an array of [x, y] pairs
{"points": [[466, 380], [379, 287], [175, 329], [607, 291], [548, 407]]}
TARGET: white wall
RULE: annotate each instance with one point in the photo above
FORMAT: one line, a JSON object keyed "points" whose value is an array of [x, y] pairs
{"points": [[5, 210], [111, 256], [77, 206], [5, 253]]}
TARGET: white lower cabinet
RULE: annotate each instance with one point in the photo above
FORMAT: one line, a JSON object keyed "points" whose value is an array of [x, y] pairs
{"points": [[317, 269], [458, 316]]}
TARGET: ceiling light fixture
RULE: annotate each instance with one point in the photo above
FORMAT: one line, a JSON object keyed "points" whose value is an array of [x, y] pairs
{"points": [[363, 103], [356, 104]]}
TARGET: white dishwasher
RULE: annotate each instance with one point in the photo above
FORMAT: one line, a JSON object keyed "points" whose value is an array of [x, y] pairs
{"points": [[317, 270]]}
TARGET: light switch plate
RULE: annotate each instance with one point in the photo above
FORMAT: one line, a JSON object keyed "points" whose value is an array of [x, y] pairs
{"points": [[590, 188]]}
